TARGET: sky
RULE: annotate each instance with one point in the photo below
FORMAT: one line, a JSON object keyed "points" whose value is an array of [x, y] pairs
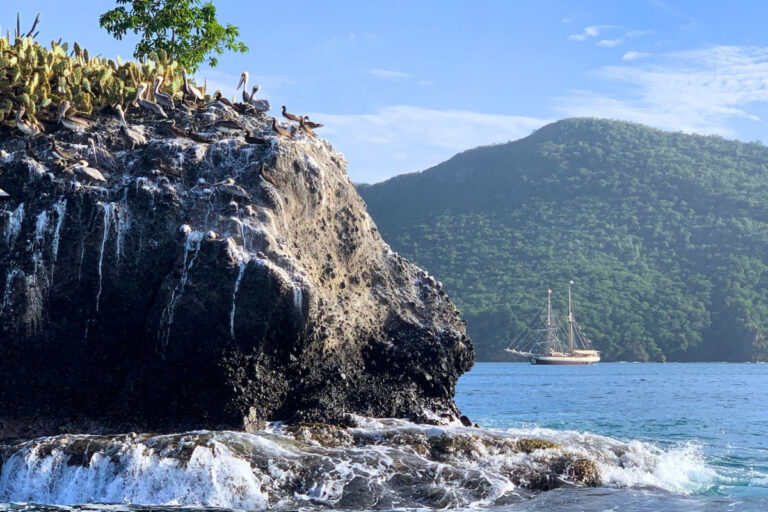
{"points": [[402, 86]]}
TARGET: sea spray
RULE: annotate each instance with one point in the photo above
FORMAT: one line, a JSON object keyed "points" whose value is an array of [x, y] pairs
{"points": [[378, 464]]}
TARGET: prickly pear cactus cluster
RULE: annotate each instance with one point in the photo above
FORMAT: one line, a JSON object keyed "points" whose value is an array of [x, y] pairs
{"points": [[40, 78]]}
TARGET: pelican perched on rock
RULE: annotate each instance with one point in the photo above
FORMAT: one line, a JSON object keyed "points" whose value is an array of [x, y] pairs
{"points": [[135, 137], [62, 154], [102, 157], [290, 116], [279, 129], [192, 92], [311, 124], [81, 169], [219, 98], [171, 130], [162, 99], [306, 129], [4, 194], [260, 105], [228, 187], [149, 106], [265, 175], [244, 84], [227, 127], [31, 152], [26, 127], [71, 122]]}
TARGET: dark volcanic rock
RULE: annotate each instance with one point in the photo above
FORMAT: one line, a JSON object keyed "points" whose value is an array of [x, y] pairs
{"points": [[159, 302]]}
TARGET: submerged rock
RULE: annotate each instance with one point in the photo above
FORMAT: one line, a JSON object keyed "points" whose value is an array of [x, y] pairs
{"points": [[162, 299]]}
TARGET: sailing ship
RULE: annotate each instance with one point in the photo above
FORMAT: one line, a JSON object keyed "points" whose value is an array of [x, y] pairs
{"points": [[547, 341]]}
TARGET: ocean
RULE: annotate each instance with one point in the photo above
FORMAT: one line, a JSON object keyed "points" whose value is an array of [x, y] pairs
{"points": [[687, 437]]}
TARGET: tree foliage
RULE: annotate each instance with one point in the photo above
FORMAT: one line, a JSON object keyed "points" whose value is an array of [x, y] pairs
{"points": [[185, 29], [665, 234]]}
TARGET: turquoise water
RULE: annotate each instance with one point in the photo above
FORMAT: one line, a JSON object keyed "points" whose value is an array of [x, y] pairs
{"points": [[711, 421]]}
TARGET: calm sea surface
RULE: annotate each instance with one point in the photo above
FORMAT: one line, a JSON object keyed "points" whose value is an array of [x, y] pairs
{"points": [[710, 420]]}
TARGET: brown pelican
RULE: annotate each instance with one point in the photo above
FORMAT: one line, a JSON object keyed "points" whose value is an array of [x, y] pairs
{"points": [[26, 127], [4, 194], [279, 129], [62, 154], [306, 129], [227, 127], [71, 122], [166, 169], [171, 130], [102, 156], [149, 106], [252, 139], [134, 136], [81, 169], [263, 173], [31, 153], [311, 124], [162, 99], [290, 116], [244, 84], [198, 138], [260, 105], [221, 99], [228, 187], [192, 92]]}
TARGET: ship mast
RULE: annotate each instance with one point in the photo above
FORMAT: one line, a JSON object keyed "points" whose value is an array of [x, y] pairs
{"points": [[570, 319], [550, 330]]}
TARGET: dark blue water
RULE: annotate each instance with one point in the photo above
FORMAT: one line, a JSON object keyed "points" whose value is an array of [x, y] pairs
{"points": [[710, 421]]}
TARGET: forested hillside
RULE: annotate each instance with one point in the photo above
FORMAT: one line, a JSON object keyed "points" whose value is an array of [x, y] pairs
{"points": [[664, 234]]}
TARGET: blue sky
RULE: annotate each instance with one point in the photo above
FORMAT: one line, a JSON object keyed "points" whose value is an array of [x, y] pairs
{"points": [[404, 85]]}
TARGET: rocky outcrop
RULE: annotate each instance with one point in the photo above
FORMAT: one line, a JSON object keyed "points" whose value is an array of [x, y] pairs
{"points": [[159, 301]]}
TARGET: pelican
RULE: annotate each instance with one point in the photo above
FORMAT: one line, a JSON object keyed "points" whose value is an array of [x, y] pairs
{"points": [[4, 194], [61, 153], [71, 122], [165, 168], [244, 84], [279, 129], [260, 105], [171, 130], [227, 127], [311, 124], [306, 129], [134, 136], [81, 169], [192, 92], [102, 155], [252, 139], [263, 173], [198, 138], [31, 152], [26, 127], [290, 116], [221, 99], [162, 99], [228, 187], [149, 106]]}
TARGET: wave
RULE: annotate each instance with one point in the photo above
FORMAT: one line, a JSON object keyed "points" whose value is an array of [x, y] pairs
{"points": [[378, 464]]}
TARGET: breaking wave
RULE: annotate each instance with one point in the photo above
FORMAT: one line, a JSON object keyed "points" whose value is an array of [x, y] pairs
{"points": [[380, 464]]}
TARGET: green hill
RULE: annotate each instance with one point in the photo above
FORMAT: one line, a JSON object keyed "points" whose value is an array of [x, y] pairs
{"points": [[665, 235]]}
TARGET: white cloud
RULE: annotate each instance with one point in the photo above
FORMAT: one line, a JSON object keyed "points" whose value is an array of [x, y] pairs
{"points": [[426, 83], [632, 55], [401, 139], [386, 74], [591, 31], [566, 20], [693, 91], [632, 34]]}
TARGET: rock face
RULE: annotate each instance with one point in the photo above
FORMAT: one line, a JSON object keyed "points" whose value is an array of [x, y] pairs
{"points": [[159, 301]]}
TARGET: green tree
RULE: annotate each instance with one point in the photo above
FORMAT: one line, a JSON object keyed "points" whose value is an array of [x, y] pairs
{"points": [[185, 29]]}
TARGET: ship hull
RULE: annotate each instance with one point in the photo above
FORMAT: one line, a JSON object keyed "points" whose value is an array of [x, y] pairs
{"points": [[564, 360]]}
